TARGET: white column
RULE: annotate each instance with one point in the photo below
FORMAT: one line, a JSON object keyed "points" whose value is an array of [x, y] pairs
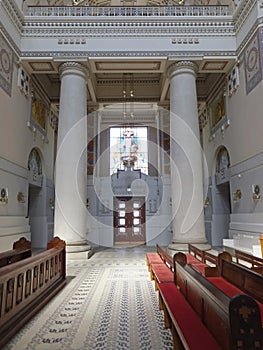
{"points": [[71, 161], [186, 157]]}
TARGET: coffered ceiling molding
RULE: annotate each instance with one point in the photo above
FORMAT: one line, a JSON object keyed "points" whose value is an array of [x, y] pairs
{"points": [[214, 66], [127, 66], [43, 67]]}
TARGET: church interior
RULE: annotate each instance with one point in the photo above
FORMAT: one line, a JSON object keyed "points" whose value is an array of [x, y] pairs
{"points": [[131, 131]]}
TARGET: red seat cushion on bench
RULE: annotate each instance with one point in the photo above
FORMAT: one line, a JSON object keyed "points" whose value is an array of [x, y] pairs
{"points": [[154, 258], [192, 329], [191, 259], [162, 273], [226, 287], [231, 290]]}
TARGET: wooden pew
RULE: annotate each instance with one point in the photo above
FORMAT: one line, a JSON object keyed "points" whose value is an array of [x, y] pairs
{"points": [[21, 250], [208, 259], [27, 285], [160, 257], [201, 316], [161, 273], [195, 252], [255, 263], [243, 278]]}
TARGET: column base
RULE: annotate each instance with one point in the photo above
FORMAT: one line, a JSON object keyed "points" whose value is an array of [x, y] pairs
{"points": [[184, 246], [78, 250]]}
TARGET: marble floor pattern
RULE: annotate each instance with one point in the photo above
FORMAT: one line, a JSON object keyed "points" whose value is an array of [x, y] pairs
{"points": [[109, 303]]}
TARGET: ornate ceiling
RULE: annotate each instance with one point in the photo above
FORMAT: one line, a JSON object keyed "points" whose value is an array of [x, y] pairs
{"points": [[125, 2]]}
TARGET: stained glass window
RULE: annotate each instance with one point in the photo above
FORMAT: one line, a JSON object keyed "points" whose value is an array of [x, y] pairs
{"points": [[128, 149]]}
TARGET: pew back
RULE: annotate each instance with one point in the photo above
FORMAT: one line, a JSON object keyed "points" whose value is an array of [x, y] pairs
{"points": [[250, 282], [255, 262], [21, 250], [26, 286], [209, 303]]}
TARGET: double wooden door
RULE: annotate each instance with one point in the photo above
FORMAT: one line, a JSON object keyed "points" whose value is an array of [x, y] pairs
{"points": [[129, 220]]}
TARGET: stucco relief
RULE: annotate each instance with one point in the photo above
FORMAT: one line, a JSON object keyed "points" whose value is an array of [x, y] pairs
{"points": [[6, 65], [253, 69]]}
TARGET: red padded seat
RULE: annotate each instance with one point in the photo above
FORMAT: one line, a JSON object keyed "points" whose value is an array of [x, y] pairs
{"points": [[226, 287], [231, 290], [192, 331], [162, 273], [191, 259], [153, 258]]}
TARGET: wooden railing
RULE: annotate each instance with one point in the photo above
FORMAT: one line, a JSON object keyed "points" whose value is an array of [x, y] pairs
{"points": [[21, 250], [28, 285]]}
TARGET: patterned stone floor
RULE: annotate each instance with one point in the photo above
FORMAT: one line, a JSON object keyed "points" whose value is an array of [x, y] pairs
{"points": [[109, 303]]}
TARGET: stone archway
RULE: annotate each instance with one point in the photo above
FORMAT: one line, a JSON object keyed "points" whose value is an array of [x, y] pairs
{"points": [[37, 201], [221, 202]]}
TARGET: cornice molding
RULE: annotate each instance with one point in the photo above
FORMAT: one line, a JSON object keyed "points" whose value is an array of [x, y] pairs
{"points": [[257, 25], [14, 13], [11, 42], [242, 13], [71, 55], [129, 30]]}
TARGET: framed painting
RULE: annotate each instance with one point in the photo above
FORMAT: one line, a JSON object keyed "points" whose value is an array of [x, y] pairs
{"points": [[39, 114], [218, 115]]}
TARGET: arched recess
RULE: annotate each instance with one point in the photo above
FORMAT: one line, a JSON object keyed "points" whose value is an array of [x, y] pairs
{"points": [[37, 200], [221, 202]]}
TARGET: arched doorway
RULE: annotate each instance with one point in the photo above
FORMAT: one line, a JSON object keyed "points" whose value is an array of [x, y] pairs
{"points": [[221, 203], [37, 201]]}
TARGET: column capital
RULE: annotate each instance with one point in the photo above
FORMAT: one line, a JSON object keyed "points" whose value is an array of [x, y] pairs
{"points": [[72, 67], [182, 67]]}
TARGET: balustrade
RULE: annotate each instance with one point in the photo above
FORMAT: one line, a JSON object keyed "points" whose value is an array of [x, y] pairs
{"points": [[121, 11], [27, 285]]}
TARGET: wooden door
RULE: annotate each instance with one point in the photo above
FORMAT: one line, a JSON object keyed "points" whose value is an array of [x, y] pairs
{"points": [[129, 220]]}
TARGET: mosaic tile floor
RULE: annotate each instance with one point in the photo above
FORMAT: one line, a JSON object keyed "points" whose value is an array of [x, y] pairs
{"points": [[109, 303]]}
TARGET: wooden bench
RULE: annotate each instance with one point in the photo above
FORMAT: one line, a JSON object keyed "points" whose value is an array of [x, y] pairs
{"points": [[27, 285], [161, 257], [21, 250], [201, 316], [255, 263], [162, 273], [194, 252], [202, 265], [243, 278]]}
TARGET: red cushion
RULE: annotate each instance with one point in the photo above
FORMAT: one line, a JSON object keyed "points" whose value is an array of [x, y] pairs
{"points": [[191, 259], [231, 290], [154, 258], [193, 330], [226, 287], [162, 273]]}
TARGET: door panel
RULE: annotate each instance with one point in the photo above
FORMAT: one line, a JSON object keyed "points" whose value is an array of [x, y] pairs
{"points": [[129, 220]]}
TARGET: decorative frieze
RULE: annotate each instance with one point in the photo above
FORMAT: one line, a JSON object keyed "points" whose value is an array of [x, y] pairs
{"points": [[128, 29], [72, 41], [6, 65], [86, 53], [253, 69], [185, 41]]}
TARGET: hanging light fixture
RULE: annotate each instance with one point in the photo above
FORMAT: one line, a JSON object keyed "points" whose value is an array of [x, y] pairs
{"points": [[128, 95]]}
